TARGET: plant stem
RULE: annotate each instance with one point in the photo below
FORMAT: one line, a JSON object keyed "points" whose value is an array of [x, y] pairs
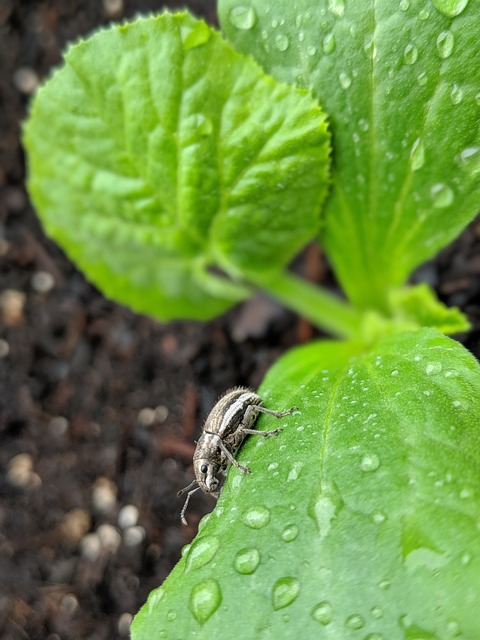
{"points": [[325, 310]]}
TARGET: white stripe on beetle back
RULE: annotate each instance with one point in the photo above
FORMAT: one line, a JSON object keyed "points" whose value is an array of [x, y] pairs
{"points": [[239, 406]]}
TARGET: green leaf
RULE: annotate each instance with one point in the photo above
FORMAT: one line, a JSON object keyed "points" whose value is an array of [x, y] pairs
{"points": [[159, 158], [359, 520], [400, 82]]}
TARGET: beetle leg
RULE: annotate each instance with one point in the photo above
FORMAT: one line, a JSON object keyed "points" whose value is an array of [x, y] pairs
{"points": [[184, 508]]}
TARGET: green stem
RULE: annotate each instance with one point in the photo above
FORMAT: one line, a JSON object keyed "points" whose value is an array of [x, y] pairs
{"points": [[322, 308]]}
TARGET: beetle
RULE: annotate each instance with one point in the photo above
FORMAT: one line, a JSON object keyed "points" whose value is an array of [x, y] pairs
{"points": [[228, 424]]}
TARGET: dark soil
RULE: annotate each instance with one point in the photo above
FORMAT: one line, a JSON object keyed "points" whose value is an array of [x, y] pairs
{"points": [[99, 407]]}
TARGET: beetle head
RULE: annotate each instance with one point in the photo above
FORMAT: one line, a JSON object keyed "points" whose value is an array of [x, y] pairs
{"points": [[205, 474]]}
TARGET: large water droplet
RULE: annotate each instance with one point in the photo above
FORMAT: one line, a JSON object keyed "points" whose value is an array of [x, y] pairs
{"points": [[329, 43], [410, 54], [202, 552], [243, 17], [355, 621], [290, 533], [442, 195], [256, 518], [205, 600], [404, 5], [281, 42], [246, 561], [196, 36], [369, 462], [456, 94], [470, 159], [450, 8], [337, 7], [417, 155], [445, 42], [345, 80], [154, 598], [322, 613], [284, 592]]}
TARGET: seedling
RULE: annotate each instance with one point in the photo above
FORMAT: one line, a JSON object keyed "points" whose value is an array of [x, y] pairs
{"points": [[181, 176]]}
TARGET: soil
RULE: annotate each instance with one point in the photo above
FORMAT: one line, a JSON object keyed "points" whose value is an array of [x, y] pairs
{"points": [[99, 407]]}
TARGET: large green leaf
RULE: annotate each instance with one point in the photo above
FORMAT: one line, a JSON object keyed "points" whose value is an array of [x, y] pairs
{"points": [[400, 81], [157, 152], [359, 521]]}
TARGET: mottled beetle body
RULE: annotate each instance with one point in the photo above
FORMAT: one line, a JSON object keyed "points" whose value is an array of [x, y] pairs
{"points": [[228, 424]]}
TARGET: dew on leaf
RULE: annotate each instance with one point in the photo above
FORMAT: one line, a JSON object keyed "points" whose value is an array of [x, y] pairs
{"points": [[456, 94], [376, 612], [384, 584], [442, 195], [284, 592], [322, 613], [470, 159], [370, 49], [445, 42], [355, 621], [196, 36], [423, 14], [154, 598], [281, 42], [378, 517], [345, 80], [450, 8], [422, 79], [242, 17], [394, 372], [256, 518], [417, 155], [290, 533], [410, 54], [202, 552], [466, 559], [369, 462], [337, 7], [404, 5], [433, 368], [171, 615], [246, 561], [205, 599], [375, 636], [329, 43], [311, 50]]}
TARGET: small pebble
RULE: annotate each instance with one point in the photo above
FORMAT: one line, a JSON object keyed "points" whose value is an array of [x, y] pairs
{"points": [[20, 470], [69, 605], [4, 348], [104, 495], [91, 546], [12, 303], [75, 525], [133, 536], [110, 538], [146, 417], [42, 282], [112, 7], [128, 516], [26, 80]]}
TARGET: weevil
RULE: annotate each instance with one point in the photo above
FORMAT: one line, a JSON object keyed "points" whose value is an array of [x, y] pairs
{"points": [[228, 424]]}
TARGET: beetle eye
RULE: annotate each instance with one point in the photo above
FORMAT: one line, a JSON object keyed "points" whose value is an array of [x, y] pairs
{"points": [[204, 468]]}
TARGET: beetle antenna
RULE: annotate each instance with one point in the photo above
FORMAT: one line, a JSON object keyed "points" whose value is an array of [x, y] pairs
{"points": [[182, 491]]}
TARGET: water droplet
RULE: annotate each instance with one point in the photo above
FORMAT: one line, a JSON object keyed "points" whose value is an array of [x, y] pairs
{"points": [[364, 126], [243, 17], [185, 550], [410, 54], [272, 466], [295, 471], [394, 372], [205, 599], [202, 552], [442, 195], [329, 43], [374, 636], [433, 368], [445, 42], [423, 14], [311, 50], [384, 584], [204, 521], [290, 533], [417, 155], [404, 5], [450, 8], [284, 592], [171, 615], [470, 159], [456, 94], [466, 558], [246, 561], [378, 517], [345, 80], [154, 598], [376, 612], [281, 42], [256, 518], [369, 462], [355, 621], [422, 79], [337, 7], [477, 99], [322, 613]]}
